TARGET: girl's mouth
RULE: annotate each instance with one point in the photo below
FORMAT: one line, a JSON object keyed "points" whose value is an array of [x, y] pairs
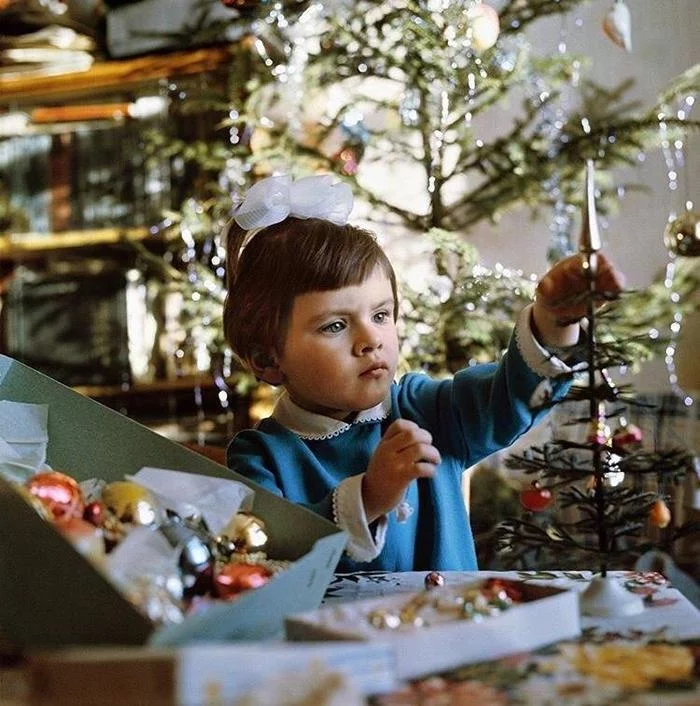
{"points": [[375, 372]]}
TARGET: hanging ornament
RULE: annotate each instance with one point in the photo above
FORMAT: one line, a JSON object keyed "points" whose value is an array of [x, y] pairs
{"points": [[617, 25], [627, 438], [611, 479], [241, 4], [345, 143], [659, 515], [483, 26], [598, 430], [536, 498], [409, 106], [348, 160], [682, 234]]}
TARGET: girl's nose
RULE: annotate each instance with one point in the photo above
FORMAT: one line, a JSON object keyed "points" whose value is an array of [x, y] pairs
{"points": [[366, 343]]}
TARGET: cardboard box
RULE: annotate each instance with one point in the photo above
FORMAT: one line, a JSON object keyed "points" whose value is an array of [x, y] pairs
{"points": [[50, 595], [201, 675], [545, 615]]}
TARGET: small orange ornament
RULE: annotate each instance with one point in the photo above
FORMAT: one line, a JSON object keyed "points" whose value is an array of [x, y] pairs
{"points": [[659, 515]]}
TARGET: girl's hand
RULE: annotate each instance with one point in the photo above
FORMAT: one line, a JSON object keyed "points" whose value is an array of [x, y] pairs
{"points": [[404, 453], [560, 300]]}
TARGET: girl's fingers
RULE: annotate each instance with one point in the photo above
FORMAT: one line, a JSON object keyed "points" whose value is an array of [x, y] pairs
{"points": [[568, 280], [399, 426], [425, 470], [405, 439], [427, 453], [608, 278]]}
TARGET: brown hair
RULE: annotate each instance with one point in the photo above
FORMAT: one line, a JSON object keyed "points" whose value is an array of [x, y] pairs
{"points": [[283, 261]]}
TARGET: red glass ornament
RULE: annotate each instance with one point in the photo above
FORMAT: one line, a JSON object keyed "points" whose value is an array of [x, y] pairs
{"points": [[233, 579], [433, 579], [627, 438], [536, 498], [94, 513], [61, 494], [240, 4], [493, 586]]}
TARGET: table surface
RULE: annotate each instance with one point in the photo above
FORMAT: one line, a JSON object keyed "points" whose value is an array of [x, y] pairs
{"points": [[617, 661], [622, 660]]}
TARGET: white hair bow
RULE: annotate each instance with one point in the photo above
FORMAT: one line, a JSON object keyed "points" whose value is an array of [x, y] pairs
{"points": [[271, 200]]}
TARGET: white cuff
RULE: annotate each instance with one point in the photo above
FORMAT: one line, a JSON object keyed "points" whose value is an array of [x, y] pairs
{"points": [[349, 515], [541, 361]]}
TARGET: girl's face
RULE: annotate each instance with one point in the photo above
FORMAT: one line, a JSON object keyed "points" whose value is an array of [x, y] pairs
{"points": [[341, 349]]}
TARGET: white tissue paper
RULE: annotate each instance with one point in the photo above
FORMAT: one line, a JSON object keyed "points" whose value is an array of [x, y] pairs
{"points": [[216, 500], [144, 566], [23, 439]]}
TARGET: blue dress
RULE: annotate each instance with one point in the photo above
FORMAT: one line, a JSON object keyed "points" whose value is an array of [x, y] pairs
{"points": [[480, 410]]}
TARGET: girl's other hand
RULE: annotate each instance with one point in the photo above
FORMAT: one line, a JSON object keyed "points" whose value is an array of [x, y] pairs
{"points": [[404, 453]]}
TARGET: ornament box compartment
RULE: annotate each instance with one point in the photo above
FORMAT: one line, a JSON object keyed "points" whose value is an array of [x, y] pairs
{"points": [[542, 616], [50, 595]]}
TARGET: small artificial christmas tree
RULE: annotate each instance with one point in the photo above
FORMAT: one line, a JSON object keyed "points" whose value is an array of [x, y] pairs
{"points": [[610, 515]]}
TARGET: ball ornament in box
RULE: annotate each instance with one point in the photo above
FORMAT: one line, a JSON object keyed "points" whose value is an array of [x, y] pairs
{"points": [[60, 493], [232, 579], [132, 504], [247, 532]]}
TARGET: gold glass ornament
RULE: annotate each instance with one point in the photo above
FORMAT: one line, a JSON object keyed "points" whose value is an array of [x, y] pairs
{"points": [[247, 532], [132, 504], [682, 235]]}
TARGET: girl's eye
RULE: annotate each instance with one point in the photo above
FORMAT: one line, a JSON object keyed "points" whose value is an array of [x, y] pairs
{"points": [[382, 316], [334, 327]]}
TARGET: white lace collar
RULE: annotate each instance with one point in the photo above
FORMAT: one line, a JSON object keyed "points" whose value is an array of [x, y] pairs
{"points": [[309, 425]]}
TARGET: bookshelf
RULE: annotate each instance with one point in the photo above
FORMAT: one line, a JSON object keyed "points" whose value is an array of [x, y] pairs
{"points": [[112, 76], [23, 246], [96, 98]]}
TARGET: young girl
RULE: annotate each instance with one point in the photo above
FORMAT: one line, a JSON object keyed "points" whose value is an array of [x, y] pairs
{"points": [[312, 307]]}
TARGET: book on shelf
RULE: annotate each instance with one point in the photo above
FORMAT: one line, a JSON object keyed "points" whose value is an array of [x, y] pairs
{"points": [[49, 51]]}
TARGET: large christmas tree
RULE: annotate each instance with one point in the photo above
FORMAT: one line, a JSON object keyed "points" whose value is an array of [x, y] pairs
{"points": [[402, 92]]}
